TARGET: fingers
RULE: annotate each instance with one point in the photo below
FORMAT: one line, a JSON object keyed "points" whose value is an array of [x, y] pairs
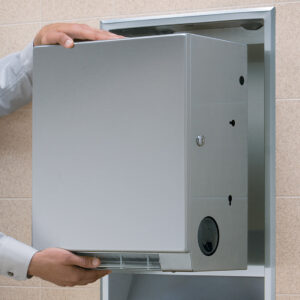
{"points": [[108, 35], [83, 261], [65, 33], [82, 277], [57, 37], [84, 32], [89, 276]]}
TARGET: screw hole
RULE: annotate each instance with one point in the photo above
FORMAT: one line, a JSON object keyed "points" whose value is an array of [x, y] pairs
{"points": [[232, 123], [242, 80], [229, 199]]}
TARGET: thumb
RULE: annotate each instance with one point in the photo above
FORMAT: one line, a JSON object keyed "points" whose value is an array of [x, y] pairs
{"points": [[57, 37], [85, 261]]}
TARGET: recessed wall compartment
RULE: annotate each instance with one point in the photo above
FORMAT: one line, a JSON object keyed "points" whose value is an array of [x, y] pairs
{"points": [[140, 152], [254, 27]]}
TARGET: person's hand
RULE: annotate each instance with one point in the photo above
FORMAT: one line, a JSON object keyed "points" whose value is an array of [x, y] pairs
{"points": [[64, 268], [65, 33]]}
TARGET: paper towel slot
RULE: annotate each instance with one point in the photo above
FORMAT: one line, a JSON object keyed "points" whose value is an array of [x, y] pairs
{"points": [[128, 261]]}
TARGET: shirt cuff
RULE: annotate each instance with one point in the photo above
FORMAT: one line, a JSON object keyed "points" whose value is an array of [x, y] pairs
{"points": [[17, 257]]}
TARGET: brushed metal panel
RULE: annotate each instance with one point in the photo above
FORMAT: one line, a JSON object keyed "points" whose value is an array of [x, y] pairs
{"points": [[117, 101]]}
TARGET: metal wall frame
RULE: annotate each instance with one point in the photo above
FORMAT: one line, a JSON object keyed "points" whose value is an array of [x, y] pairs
{"points": [[267, 16]]}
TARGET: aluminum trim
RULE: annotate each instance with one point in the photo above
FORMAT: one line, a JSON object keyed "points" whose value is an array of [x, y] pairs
{"points": [[267, 14], [202, 17]]}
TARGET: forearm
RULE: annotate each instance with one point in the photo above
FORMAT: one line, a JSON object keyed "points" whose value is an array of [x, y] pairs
{"points": [[16, 80]]}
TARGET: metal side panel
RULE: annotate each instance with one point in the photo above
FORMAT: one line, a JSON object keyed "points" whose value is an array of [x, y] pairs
{"points": [[219, 168]]}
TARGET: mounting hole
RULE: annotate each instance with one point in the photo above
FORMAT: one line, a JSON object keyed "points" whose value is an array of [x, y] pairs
{"points": [[230, 199], [242, 80], [232, 123], [208, 236]]}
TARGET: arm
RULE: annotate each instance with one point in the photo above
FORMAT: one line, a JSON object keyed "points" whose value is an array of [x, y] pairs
{"points": [[15, 80], [16, 69]]}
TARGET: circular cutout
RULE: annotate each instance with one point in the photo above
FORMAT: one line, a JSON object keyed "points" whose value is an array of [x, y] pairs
{"points": [[208, 236], [242, 80]]}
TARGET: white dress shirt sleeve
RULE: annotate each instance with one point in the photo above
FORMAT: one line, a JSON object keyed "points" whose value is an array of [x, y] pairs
{"points": [[15, 257], [16, 80], [15, 91]]}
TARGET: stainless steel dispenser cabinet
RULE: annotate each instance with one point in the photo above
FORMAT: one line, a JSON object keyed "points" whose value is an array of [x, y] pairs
{"points": [[140, 152]]}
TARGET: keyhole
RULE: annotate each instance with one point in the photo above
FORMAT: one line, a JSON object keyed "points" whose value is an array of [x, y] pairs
{"points": [[229, 199], [242, 80], [232, 123]]}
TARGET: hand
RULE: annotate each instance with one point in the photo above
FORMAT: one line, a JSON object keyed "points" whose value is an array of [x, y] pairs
{"points": [[65, 268], [64, 33]]}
